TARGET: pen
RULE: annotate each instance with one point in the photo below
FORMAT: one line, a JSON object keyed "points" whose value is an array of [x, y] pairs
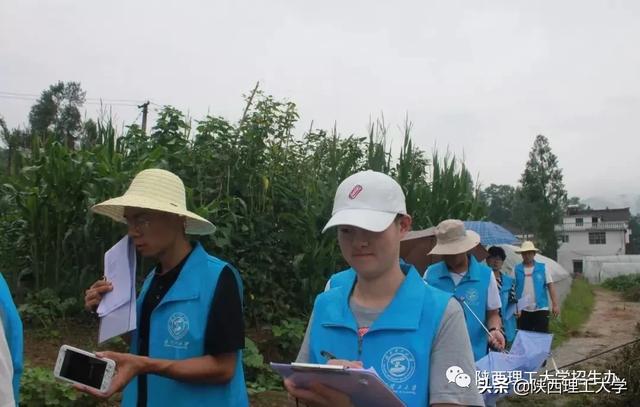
{"points": [[327, 355]]}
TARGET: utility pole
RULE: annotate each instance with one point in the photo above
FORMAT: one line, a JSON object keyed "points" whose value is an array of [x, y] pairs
{"points": [[145, 110]]}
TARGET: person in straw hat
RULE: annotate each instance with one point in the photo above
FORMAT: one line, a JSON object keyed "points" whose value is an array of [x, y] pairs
{"points": [[378, 313], [534, 281], [471, 282], [186, 350]]}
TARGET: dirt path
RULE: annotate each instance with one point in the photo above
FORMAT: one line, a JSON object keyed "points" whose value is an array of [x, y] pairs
{"points": [[613, 322]]}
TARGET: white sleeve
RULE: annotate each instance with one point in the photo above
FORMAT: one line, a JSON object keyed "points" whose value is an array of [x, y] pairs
{"points": [[6, 372], [493, 295], [547, 275]]}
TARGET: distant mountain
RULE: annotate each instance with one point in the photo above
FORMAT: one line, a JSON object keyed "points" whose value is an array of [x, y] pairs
{"points": [[616, 201]]}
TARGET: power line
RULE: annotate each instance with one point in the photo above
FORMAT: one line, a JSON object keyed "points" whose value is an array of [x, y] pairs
{"points": [[96, 102], [598, 354], [16, 97], [88, 100]]}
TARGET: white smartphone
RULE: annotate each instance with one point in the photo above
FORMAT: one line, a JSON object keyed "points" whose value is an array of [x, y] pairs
{"points": [[78, 366]]}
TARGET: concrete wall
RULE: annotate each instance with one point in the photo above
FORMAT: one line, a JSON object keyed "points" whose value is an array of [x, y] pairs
{"points": [[578, 247]]}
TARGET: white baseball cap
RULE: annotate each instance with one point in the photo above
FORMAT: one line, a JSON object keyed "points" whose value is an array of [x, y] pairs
{"points": [[369, 200]]}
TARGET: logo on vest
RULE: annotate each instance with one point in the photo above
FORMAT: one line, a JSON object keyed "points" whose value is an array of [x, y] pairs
{"points": [[178, 325], [398, 364], [472, 297]]}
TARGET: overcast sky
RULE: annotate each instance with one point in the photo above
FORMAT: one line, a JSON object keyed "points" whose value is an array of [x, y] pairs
{"points": [[481, 78]]}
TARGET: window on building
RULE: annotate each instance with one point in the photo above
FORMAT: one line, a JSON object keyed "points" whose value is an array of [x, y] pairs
{"points": [[563, 238], [597, 238], [594, 219], [577, 266], [579, 222]]}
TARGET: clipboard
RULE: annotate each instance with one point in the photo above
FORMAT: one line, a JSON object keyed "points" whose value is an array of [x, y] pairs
{"points": [[364, 386]]}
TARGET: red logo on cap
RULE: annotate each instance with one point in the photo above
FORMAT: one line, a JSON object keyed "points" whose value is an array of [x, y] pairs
{"points": [[355, 192]]}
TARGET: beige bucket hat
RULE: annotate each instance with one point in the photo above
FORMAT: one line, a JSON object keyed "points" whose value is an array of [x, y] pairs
{"points": [[453, 238], [527, 247], [158, 190]]}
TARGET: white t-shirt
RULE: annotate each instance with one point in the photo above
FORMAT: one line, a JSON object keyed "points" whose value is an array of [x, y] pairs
{"points": [[530, 291], [493, 295], [6, 372]]}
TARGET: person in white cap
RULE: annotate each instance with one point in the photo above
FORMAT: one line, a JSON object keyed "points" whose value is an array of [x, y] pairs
{"points": [[187, 348], [379, 313], [470, 281], [534, 281]]}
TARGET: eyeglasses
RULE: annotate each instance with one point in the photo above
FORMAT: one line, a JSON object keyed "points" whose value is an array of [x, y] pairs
{"points": [[139, 224]]}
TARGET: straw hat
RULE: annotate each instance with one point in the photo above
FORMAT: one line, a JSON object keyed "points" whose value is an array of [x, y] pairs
{"points": [[452, 238], [159, 190], [527, 247]]}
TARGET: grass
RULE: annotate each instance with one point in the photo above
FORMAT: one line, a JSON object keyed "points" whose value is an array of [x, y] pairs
{"points": [[628, 285], [575, 311]]}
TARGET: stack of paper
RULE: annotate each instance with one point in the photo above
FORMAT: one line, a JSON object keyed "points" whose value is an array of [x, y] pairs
{"points": [[117, 310]]}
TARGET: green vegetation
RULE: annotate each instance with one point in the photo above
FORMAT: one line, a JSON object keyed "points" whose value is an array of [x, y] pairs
{"points": [[628, 285], [268, 191], [40, 388], [575, 311]]}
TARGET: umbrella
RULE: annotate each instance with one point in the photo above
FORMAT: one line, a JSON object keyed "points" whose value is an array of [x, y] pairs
{"points": [[491, 233], [501, 370]]}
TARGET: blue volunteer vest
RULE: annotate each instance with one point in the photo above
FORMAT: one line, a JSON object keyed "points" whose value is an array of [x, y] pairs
{"points": [[13, 332], [509, 325], [348, 276], [177, 332], [473, 290], [539, 283], [397, 345]]}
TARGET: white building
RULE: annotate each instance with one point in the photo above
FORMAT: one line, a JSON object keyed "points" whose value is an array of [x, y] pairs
{"points": [[592, 232]]}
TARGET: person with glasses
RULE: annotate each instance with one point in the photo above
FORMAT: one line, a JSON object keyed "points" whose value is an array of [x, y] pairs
{"points": [[187, 348]]}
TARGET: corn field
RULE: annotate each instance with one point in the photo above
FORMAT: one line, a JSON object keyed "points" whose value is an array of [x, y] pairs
{"points": [[268, 191]]}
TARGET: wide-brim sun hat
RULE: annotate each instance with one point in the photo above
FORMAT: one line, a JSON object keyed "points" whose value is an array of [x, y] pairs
{"points": [[527, 247], [158, 190], [453, 238]]}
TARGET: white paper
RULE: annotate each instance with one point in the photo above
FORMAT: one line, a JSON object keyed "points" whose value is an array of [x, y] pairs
{"points": [[117, 310], [118, 269], [118, 322]]}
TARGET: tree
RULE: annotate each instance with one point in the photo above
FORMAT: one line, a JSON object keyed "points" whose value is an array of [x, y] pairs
{"points": [[575, 201], [634, 240], [524, 214], [89, 134], [542, 187], [57, 113], [12, 140], [499, 200]]}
